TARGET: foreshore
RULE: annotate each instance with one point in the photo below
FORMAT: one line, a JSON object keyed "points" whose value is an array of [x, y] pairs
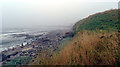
{"points": [[36, 47]]}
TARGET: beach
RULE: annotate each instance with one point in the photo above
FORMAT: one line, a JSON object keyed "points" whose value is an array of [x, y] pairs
{"points": [[41, 43]]}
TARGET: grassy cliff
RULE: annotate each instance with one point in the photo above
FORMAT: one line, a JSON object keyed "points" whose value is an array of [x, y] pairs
{"points": [[107, 20], [96, 42]]}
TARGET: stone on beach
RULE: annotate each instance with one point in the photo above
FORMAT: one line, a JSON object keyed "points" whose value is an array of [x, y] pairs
{"points": [[36, 46]]}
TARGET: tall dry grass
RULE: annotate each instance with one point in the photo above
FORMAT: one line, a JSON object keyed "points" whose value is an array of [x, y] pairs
{"points": [[88, 48]]}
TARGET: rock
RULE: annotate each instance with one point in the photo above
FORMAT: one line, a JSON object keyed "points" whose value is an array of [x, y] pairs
{"points": [[46, 40], [54, 50], [102, 37], [119, 31], [15, 53], [33, 46], [8, 56], [21, 54], [48, 46], [110, 35], [64, 36], [33, 60], [51, 55], [75, 43], [3, 57]]}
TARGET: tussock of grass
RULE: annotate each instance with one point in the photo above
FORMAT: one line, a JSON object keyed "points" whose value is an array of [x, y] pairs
{"points": [[88, 48]]}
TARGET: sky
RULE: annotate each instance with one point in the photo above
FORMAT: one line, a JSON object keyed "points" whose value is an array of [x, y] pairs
{"points": [[37, 13]]}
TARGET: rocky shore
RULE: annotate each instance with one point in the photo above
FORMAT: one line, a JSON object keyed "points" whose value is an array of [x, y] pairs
{"points": [[39, 44]]}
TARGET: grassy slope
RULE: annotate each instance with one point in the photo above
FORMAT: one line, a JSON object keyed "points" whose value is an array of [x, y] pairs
{"points": [[107, 20], [96, 42], [91, 48]]}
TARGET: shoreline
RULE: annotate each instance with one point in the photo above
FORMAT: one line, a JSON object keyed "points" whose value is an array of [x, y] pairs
{"points": [[27, 38], [48, 41]]}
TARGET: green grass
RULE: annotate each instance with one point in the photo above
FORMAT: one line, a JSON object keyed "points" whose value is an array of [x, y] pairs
{"points": [[66, 40], [19, 61], [107, 20]]}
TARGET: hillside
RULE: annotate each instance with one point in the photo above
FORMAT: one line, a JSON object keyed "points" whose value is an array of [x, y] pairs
{"points": [[95, 42], [107, 20], [89, 48]]}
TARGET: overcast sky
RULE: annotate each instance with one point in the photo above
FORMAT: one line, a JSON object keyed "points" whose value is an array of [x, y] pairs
{"points": [[36, 13]]}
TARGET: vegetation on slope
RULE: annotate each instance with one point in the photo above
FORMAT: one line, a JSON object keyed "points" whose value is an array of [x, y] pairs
{"points": [[107, 20], [86, 48], [91, 48], [18, 61], [96, 42]]}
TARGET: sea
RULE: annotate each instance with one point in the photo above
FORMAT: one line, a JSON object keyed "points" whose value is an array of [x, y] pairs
{"points": [[8, 41]]}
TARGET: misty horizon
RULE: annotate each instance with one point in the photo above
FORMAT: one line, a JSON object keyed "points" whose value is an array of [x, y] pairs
{"points": [[35, 14]]}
